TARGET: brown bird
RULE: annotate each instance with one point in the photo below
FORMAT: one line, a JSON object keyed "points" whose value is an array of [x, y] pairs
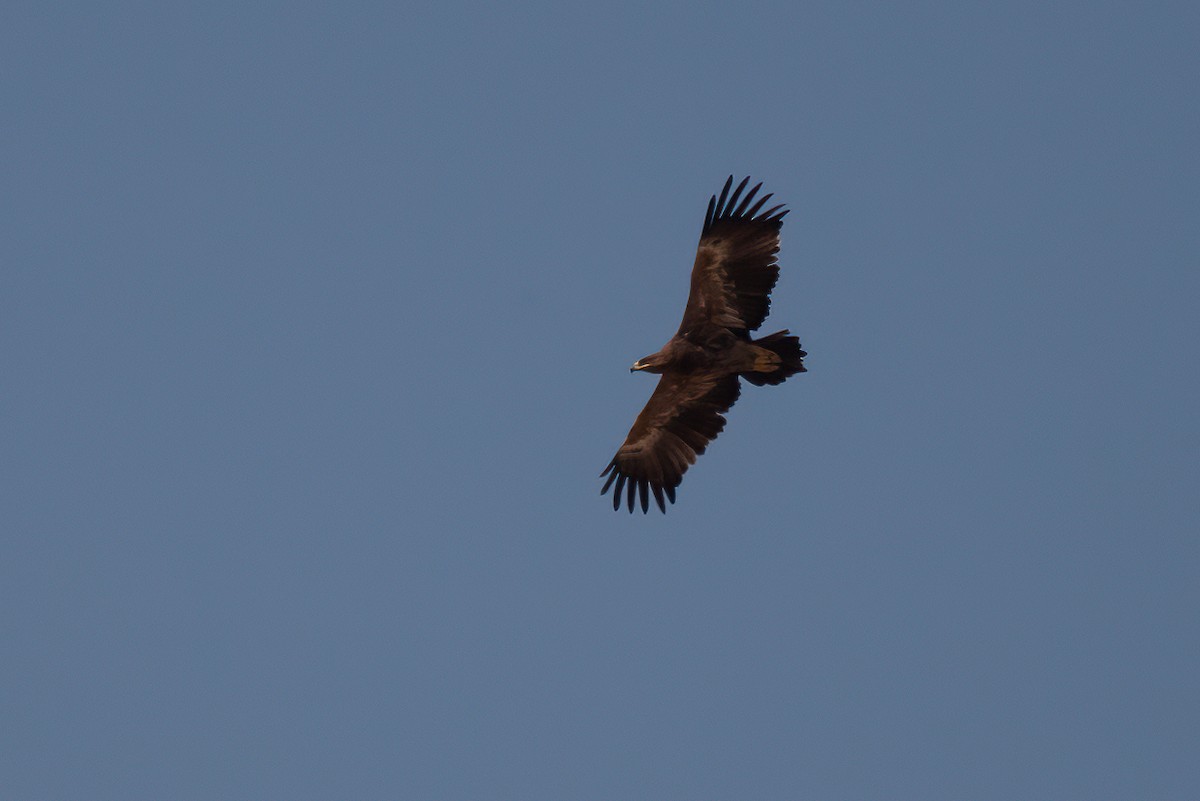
{"points": [[701, 365]]}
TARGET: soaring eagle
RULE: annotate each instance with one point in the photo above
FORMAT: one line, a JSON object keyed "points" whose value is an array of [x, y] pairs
{"points": [[701, 365]]}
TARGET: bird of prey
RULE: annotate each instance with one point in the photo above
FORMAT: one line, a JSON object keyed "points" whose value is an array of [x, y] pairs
{"points": [[703, 364]]}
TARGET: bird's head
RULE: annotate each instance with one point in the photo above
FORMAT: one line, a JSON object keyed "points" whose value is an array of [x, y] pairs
{"points": [[648, 364]]}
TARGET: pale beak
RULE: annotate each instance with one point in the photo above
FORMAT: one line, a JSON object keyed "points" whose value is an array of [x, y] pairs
{"points": [[637, 366]]}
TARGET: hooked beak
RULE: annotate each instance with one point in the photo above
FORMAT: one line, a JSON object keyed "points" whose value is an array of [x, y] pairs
{"points": [[637, 366]]}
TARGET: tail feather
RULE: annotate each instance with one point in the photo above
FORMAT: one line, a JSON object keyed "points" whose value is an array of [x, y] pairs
{"points": [[791, 359]]}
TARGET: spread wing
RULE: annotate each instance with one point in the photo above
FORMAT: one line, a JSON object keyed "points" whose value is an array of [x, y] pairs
{"points": [[680, 419], [735, 267]]}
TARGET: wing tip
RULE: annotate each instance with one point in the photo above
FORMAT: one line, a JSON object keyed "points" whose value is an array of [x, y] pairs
{"points": [[634, 492], [726, 206]]}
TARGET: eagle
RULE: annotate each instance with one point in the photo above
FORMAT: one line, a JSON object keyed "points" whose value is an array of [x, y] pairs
{"points": [[701, 367]]}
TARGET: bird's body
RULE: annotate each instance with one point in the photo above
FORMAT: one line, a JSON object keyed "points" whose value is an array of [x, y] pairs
{"points": [[701, 366]]}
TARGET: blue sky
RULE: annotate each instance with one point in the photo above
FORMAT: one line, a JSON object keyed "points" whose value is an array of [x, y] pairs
{"points": [[316, 322]]}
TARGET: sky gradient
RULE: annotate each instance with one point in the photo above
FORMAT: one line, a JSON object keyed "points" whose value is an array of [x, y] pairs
{"points": [[316, 322]]}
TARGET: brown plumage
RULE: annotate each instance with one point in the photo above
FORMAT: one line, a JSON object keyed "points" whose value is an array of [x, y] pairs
{"points": [[701, 365]]}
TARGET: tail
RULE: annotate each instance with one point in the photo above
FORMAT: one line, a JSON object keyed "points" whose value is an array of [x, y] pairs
{"points": [[790, 359]]}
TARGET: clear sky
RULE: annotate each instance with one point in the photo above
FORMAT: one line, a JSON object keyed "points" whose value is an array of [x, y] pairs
{"points": [[315, 326]]}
